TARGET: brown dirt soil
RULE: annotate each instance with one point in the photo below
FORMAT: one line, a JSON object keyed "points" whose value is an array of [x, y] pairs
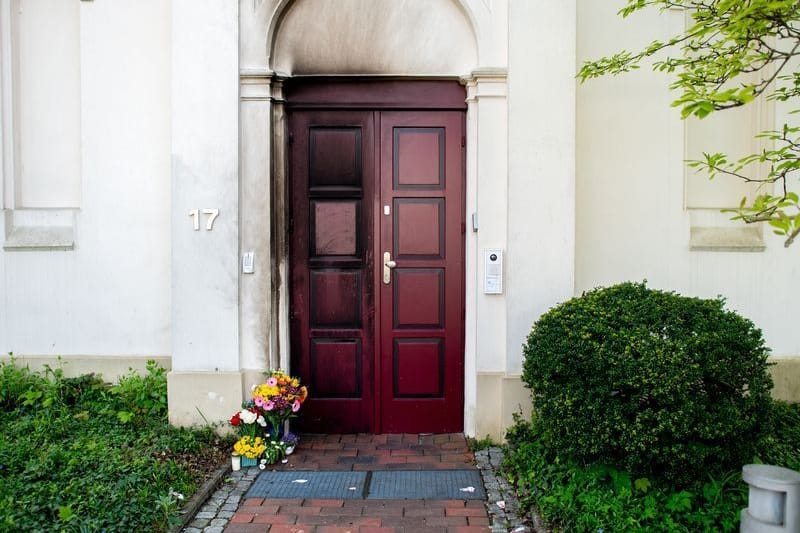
{"points": [[201, 465]]}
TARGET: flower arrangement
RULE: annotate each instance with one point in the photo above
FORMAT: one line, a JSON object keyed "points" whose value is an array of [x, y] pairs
{"points": [[250, 447], [273, 453], [262, 417], [247, 421], [289, 441], [279, 398]]}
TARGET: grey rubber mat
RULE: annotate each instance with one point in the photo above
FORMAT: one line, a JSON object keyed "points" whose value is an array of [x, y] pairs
{"points": [[426, 485], [380, 485], [335, 485]]}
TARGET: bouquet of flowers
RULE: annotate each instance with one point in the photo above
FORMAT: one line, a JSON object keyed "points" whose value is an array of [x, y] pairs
{"points": [[250, 447], [279, 398], [247, 421], [262, 417]]}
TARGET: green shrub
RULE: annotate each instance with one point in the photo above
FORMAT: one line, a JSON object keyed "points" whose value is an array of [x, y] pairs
{"points": [[587, 499], [781, 446], [142, 395], [649, 381], [16, 380]]}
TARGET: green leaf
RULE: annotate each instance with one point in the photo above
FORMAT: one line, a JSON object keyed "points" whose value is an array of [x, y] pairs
{"points": [[124, 416], [679, 502], [642, 484], [65, 513]]}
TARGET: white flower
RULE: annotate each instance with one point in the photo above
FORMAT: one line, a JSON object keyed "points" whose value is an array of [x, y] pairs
{"points": [[262, 466], [263, 461], [248, 417], [261, 422]]}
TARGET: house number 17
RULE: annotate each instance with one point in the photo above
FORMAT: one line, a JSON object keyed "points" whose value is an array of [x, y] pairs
{"points": [[212, 216]]}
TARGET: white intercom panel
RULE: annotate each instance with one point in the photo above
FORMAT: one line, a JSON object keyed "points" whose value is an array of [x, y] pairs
{"points": [[493, 271]]}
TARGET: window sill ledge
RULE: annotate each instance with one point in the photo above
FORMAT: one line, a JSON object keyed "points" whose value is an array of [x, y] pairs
{"points": [[39, 230], [739, 239]]}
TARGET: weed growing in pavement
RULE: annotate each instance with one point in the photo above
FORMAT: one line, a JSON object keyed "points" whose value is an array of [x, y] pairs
{"points": [[480, 444]]}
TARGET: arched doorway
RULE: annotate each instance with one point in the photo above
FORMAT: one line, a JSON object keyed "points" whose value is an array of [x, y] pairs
{"points": [[360, 40]]}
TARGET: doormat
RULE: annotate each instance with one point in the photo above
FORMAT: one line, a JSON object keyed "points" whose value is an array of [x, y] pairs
{"points": [[324, 485], [426, 485], [380, 485]]}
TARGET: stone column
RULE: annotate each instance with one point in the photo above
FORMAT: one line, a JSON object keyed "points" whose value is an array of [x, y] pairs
{"points": [[205, 382], [255, 223], [485, 317]]}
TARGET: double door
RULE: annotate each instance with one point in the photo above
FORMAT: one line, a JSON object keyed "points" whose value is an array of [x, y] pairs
{"points": [[377, 268]]}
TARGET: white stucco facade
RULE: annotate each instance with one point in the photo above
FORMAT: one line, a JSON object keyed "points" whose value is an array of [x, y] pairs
{"points": [[173, 106]]}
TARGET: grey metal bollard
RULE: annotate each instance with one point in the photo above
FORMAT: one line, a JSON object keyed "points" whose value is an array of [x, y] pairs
{"points": [[774, 502]]}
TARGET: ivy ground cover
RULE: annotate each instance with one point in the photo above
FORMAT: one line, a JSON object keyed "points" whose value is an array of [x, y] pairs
{"points": [[77, 454]]}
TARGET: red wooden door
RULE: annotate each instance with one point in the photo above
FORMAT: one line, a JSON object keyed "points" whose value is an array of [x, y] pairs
{"points": [[333, 174], [379, 338], [421, 297]]}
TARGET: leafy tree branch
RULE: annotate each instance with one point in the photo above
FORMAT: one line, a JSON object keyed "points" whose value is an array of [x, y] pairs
{"points": [[732, 52]]}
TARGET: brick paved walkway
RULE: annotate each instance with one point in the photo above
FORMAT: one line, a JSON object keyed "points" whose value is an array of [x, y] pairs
{"points": [[368, 452]]}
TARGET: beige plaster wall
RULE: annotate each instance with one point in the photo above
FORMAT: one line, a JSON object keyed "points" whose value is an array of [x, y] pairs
{"points": [[500, 395], [786, 375], [110, 367], [196, 398], [632, 219]]}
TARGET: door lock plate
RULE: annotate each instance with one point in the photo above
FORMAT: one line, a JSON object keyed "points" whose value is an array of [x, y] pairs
{"points": [[388, 265]]}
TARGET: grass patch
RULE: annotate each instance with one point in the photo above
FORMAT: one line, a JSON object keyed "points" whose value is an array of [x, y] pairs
{"points": [[77, 454], [590, 498], [480, 444]]}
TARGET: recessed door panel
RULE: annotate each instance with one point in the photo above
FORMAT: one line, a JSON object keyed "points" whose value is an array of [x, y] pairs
{"points": [[335, 158], [336, 368], [419, 368], [334, 227], [418, 297], [418, 158], [419, 225], [335, 298]]}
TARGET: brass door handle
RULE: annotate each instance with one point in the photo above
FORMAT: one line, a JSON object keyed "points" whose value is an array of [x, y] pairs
{"points": [[388, 265]]}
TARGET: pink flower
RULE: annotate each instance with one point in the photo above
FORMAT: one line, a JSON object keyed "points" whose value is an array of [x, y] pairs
{"points": [[259, 401], [272, 382], [269, 405], [296, 406]]}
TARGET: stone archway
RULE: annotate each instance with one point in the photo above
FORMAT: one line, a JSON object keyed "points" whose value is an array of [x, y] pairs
{"points": [[373, 38]]}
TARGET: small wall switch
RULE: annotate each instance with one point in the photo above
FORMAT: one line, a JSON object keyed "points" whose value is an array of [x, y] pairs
{"points": [[248, 260]]}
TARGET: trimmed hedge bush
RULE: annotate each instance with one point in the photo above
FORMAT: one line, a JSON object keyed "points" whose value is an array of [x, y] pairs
{"points": [[649, 381]]}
